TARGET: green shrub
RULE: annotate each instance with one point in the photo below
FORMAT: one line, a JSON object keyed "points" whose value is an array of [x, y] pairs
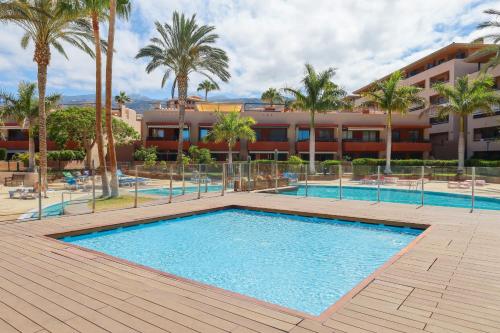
{"points": [[329, 163], [482, 163], [3, 154], [22, 157], [200, 155], [295, 160], [66, 155], [409, 162], [142, 154]]}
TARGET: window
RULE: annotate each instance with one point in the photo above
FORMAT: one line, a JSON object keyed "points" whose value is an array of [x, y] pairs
{"points": [[157, 133], [278, 135], [370, 136], [347, 135], [203, 132], [413, 136], [325, 135], [303, 134], [396, 136], [487, 133], [185, 134]]}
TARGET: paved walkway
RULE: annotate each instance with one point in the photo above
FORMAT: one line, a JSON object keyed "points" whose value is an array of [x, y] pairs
{"points": [[448, 282]]}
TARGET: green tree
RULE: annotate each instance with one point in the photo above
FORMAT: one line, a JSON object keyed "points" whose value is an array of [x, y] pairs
{"points": [[231, 127], [392, 97], [98, 11], [318, 95], [183, 48], [491, 51], [25, 111], [77, 125], [46, 23], [200, 155], [464, 98], [122, 98], [272, 96], [207, 86]]}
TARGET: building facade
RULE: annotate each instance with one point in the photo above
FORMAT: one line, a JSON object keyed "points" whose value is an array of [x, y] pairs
{"points": [[338, 134], [447, 65]]}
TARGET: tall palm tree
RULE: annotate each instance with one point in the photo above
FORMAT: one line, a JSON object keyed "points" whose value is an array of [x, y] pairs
{"points": [[319, 95], [122, 98], [230, 128], [46, 23], [465, 97], [182, 48], [272, 96], [492, 51], [207, 86], [98, 11], [25, 111], [390, 96]]}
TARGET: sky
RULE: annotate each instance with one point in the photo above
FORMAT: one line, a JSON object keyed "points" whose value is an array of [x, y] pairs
{"points": [[268, 42]]}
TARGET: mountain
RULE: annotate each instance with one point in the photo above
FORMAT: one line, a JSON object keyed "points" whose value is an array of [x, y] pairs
{"points": [[142, 103]]}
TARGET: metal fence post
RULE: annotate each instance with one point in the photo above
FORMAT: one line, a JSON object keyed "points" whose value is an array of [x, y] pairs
{"points": [[223, 179], [93, 187], [378, 183], [307, 179], [206, 179], [183, 181], [136, 187], [170, 186], [422, 191], [239, 178], [340, 181], [275, 177], [39, 193], [473, 189], [199, 181], [62, 203]]}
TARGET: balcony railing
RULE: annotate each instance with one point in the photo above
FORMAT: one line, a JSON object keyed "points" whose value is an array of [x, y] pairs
{"points": [[362, 140]]}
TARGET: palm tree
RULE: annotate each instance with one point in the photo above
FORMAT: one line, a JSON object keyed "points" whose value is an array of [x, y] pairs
{"points": [[494, 49], [184, 47], [25, 111], [122, 98], [464, 98], [230, 128], [318, 95], [390, 96], [46, 23], [207, 86], [98, 11], [272, 96]]}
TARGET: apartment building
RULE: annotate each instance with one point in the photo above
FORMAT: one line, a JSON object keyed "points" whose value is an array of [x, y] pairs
{"points": [[446, 65], [14, 136], [338, 134]]}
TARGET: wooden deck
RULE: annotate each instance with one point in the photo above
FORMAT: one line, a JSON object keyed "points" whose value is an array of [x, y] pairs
{"points": [[448, 282]]}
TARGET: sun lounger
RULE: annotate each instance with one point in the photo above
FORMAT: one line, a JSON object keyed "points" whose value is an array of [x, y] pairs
{"points": [[14, 180]]}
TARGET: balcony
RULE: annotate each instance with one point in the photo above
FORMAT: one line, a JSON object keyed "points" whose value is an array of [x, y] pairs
{"points": [[162, 144], [268, 146], [23, 145], [214, 147], [321, 146], [416, 146], [363, 146]]}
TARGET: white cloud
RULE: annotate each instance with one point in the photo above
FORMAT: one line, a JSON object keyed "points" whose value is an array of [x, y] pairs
{"points": [[269, 41]]}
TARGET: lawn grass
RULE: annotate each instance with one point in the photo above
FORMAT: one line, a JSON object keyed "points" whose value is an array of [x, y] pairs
{"points": [[124, 201]]}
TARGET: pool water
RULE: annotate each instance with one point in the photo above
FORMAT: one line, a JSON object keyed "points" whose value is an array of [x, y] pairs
{"points": [[164, 191], [303, 263], [413, 197]]}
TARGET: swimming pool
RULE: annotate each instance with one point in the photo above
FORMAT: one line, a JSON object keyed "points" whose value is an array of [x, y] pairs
{"points": [[303, 263], [164, 191], [397, 196]]}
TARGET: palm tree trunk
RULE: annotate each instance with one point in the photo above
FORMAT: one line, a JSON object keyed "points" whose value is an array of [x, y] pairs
{"points": [[388, 148], [182, 86], [312, 145], [115, 191], [42, 58], [98, 107], [461, 146], [31, 148], [206, 95]]}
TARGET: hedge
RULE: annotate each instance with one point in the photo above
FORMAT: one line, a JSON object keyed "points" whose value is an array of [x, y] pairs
{"points": [[328, 163], [412, 162], [66, 155], [3, 154]]}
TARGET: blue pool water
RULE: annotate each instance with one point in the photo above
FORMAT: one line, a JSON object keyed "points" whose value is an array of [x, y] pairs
{"points": [[398, 196], [302, 263], [164, 191]]}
